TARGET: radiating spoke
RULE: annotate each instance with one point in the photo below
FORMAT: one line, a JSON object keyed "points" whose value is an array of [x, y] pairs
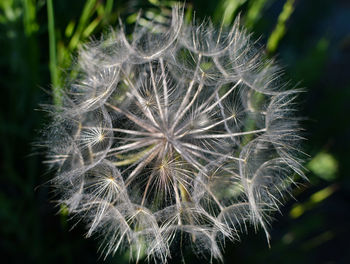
{"points": [[131, 146], [138, 133], [187, 95], [199, 130], [191, 146], [154, 85], [144, 161], [165, 90], [227, 135], [202, 170], [133, 118], [217, 101], [140, 101], [199, 89]]}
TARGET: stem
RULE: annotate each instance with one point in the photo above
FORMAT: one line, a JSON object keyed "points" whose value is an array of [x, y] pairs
{"points": [[53, 59], [109, 6]]}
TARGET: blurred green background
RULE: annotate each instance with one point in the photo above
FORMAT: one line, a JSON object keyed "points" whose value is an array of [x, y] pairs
{"points": [[310, 38]]}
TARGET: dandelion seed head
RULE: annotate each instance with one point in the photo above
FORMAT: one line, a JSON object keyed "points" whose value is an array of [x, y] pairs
{"points": [[181, 131]]}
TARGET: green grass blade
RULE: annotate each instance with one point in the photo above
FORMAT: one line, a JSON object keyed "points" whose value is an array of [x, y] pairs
{"points": [[227, 10], [280, 29], [29, 15], [86, 14], [53, 58], [109, 6], [254, 12]]}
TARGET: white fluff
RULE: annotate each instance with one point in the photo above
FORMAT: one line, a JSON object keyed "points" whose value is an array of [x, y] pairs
{"points": [[183, 132]]}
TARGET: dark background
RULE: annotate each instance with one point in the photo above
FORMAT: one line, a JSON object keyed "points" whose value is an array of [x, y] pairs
{"points": [[315, 50]]}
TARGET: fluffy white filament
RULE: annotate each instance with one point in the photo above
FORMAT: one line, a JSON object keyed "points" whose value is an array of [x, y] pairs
{"points": [[183, 132]]}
